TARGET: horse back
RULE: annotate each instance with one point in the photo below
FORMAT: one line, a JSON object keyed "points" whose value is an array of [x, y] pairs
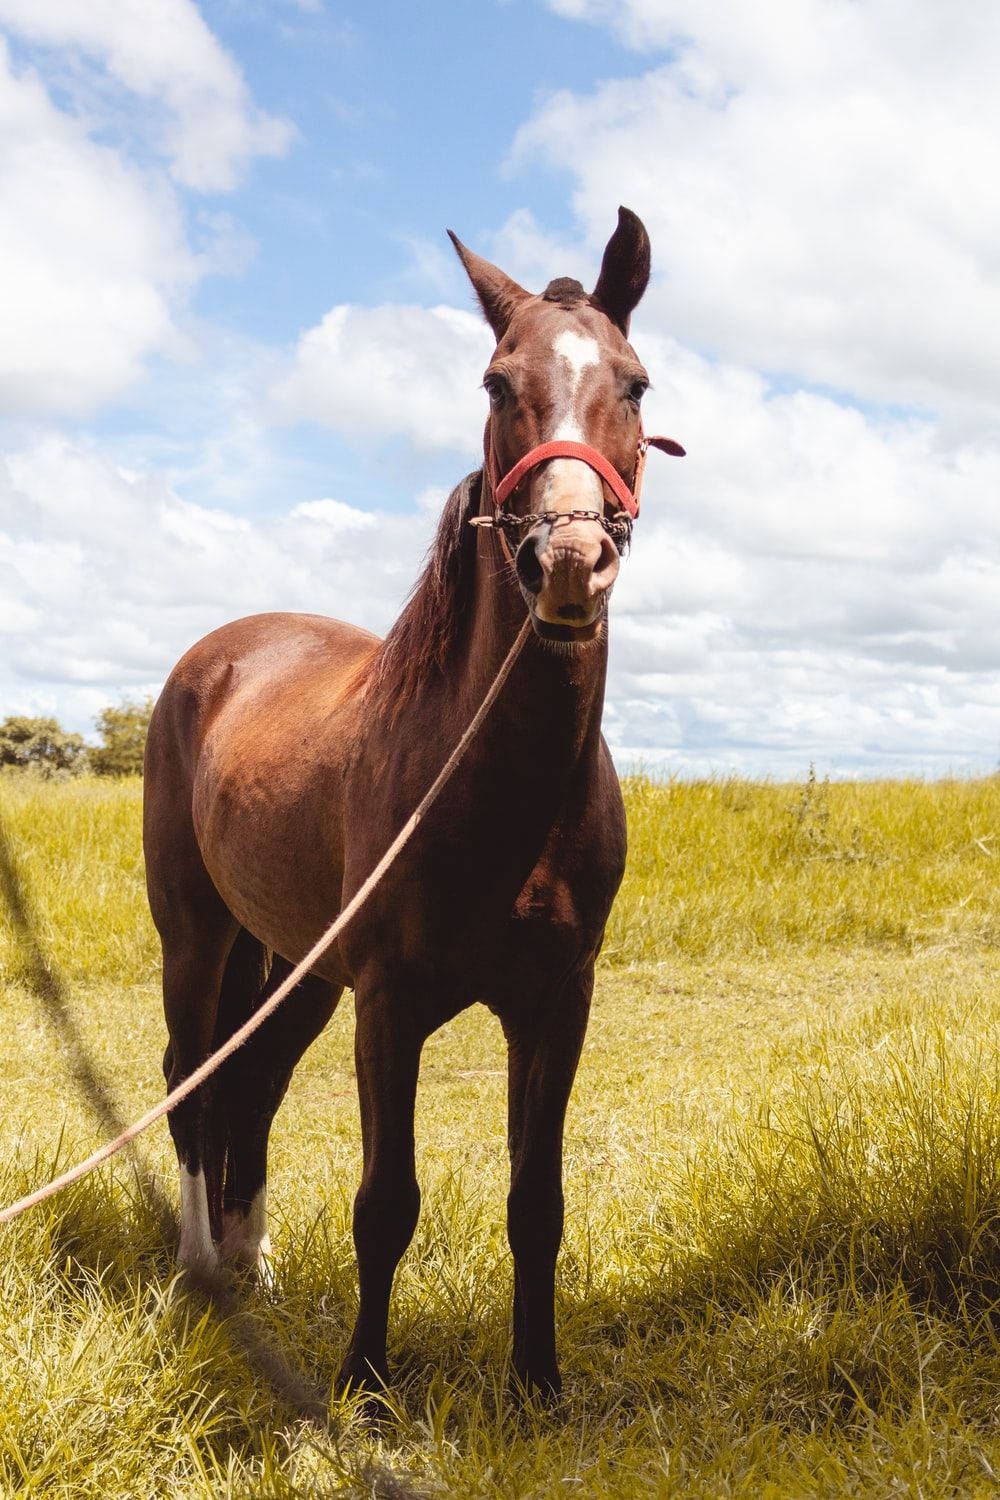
{"points": [[251, 666]]}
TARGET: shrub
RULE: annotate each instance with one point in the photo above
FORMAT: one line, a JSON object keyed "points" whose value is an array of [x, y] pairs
{"points": [[123, 733], [41, 745]]}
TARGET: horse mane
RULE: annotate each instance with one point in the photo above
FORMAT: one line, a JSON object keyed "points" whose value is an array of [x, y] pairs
{"points": [[565, 291], [420, 642]]}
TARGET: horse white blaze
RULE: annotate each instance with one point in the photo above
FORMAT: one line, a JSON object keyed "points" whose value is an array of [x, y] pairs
{"points": [[197, 1248], [568, 481], [576, 352]]}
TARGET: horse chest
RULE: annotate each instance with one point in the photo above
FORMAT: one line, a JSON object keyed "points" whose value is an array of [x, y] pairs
{"points": [[477, 910]]}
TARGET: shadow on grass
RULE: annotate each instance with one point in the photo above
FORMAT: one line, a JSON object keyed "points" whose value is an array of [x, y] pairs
{"points": [[288, 1383], [50, 990], [822, 1329], [938, 1267]]}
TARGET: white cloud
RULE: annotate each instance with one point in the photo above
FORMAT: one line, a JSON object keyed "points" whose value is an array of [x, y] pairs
{"points": [[391, 370], [818, 179], [95, 255], [815, 581], [808, 584], [797, 474], [162, 52], [333, 515], [722, 654], [108, 575], [93, 258]]}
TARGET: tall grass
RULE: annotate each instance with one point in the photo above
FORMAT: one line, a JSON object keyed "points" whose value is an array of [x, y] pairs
{"points": [[715, 867], [781, 1274], [79, 851], [730, 866]]}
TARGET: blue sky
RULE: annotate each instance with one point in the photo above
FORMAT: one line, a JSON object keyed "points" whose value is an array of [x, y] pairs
{"points": [[239, 361], [405, 117]]}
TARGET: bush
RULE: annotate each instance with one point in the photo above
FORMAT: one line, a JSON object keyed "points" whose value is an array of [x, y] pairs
{"points": [[41, 745], [123, 732]]}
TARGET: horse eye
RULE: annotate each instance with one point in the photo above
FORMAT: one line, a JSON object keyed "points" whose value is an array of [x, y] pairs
{"points": [[637, 390], [496, 388]]}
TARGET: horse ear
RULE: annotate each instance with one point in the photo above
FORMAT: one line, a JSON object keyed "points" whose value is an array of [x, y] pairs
{"points": [[624, 270], [498, 294]]}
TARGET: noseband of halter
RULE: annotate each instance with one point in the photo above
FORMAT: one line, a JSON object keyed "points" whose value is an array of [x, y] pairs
{"points": [[627, 498], [618, 525]]}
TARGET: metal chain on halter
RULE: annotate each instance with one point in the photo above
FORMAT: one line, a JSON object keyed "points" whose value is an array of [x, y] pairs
{"points": [[618, 526]]}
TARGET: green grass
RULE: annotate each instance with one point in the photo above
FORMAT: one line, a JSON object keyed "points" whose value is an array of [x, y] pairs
{"points": [[732, 866], [781, 1274]]}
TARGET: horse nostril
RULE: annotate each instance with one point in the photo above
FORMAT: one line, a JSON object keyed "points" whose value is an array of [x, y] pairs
{"points": [[529, 569], [608, 558]]}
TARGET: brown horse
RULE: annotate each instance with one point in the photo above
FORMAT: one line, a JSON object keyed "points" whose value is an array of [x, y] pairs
{"points": [[287, 750]]}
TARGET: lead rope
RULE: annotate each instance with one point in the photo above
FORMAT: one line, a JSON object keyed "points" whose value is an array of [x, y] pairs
{"points": [[209, 1066]]}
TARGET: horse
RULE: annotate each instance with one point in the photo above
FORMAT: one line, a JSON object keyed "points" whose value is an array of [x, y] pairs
{"points": [[285, 752]]}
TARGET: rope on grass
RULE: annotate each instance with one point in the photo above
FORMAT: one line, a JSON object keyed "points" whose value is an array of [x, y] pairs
{"points": [[209, 1066]]}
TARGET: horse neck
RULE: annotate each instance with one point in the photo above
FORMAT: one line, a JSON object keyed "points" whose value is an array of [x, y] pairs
{"points": [[551, 708]]}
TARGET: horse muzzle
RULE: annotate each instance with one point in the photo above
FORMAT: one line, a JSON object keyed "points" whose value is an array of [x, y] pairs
{"points": [[566, 568]]}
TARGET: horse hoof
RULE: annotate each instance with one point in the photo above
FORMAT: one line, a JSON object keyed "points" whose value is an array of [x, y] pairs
{"points": [[246, 1243], [202, 1273], [536, 1388], [361, 1377], [198, 1261], [253, 1261]]}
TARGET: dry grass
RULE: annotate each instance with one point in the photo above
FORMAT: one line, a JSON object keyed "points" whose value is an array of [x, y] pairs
{"points": [[782, 1264]]}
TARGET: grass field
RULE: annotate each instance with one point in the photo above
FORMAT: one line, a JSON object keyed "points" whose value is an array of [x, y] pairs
{"points": [[781, 1274]]}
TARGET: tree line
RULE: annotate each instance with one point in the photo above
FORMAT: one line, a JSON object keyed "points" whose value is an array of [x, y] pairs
{"points": [[43, 747]]}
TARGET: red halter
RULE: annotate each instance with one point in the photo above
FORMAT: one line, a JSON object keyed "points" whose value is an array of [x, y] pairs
{"points": [[627, 498]]}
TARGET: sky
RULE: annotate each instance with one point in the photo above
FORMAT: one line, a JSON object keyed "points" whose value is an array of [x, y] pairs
{"points": [[240, 364]]}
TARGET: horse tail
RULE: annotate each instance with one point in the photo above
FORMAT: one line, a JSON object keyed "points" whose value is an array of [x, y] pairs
{"points": [[243, 983]]}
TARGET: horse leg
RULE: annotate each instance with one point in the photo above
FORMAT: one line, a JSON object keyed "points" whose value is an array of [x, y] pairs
{"points": [[544, 1049], [192, 980], [253, 1085], [197, 932], [387, 1049]]}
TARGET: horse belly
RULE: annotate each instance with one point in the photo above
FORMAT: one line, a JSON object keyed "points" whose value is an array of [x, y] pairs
{"points": [[271, 855]]}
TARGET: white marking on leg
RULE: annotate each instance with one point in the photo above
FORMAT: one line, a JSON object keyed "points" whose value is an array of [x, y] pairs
{"points": [[196, 1250], [245, 1237]]}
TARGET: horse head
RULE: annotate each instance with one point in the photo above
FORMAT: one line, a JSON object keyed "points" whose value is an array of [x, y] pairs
{"points": [[564, 441]]}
